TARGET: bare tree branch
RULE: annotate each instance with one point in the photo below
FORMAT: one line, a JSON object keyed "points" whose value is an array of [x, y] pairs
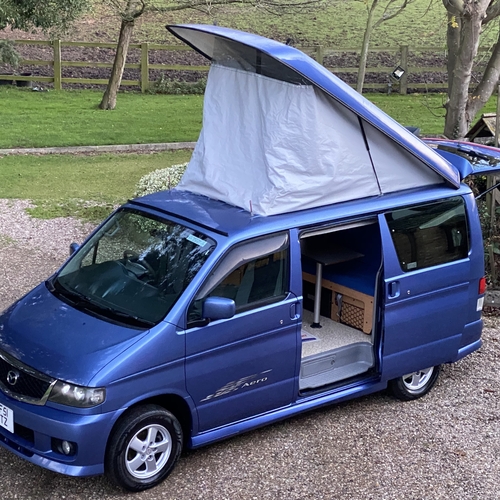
{"points": [[388, 14], [130, 10], [492, 12], [203, 5], [488, 83]]}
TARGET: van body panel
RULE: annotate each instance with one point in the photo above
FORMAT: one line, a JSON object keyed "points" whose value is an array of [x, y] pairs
{"points": [[305, 403], [425, 310], [419, 357], [161, 372], [481, 159], [31, 332], [242, 366], [46, 422], [468, 349]]}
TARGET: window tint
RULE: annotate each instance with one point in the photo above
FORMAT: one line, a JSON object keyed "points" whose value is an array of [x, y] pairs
{"points": [[251, 274], [431, 234]]}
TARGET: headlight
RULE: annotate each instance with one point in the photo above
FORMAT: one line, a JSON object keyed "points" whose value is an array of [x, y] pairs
{"points": [[76, 395]]}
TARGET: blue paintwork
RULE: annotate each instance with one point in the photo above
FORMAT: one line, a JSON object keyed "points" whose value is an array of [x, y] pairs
{"points": [[47, 422], [306, 404], [239, 224], [319, 76], [461, 164], [242, 372], [31, 332], [468, 157]]}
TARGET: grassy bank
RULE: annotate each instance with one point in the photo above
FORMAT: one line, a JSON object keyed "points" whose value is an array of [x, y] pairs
{"points": [[334, 23]]}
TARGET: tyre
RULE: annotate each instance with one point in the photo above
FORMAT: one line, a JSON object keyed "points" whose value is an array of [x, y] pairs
{"points": [[414, 385], [144, 448]]}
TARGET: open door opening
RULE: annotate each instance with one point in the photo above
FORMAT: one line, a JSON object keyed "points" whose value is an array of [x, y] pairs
{"points": [[340, 275]]}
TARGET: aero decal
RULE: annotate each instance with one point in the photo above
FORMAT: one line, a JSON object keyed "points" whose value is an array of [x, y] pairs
{"points": [[234, 385]]}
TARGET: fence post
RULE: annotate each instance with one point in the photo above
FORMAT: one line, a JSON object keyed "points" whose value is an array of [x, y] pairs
{"points": [[57, 64], [144, 66], [320, 54], [403, 83]]}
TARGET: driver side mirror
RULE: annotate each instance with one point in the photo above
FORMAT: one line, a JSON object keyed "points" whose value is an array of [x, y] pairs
{"points": [[218, 308], [73, 248]]}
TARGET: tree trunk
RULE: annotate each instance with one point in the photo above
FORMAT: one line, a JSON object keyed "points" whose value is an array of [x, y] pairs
{"points": [[488, 83], [364, 48], [109, 97], [457, 118], [453, 44]]}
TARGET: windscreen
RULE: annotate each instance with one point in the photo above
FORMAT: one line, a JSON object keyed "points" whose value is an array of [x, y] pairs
{"points": [[133, 269]]}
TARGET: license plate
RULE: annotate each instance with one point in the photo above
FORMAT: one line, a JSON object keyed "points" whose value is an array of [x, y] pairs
{"points": [[7, 418]]}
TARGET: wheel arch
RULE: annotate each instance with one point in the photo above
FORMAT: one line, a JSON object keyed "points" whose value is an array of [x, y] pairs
{"points": [[173, 403]]}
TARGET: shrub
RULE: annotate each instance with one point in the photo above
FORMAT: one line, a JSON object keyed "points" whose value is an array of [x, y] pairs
{"points": [[160, 180], [165, 86], [9, 57]]}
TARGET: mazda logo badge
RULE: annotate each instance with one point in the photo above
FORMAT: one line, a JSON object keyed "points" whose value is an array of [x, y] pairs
{"points": [[12, 377]]}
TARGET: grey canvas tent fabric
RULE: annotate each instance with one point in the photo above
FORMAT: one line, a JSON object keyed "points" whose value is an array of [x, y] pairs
{"points": [[270, 146]]}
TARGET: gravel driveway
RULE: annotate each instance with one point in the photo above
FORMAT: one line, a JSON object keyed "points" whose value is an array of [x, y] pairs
{"points": [[445, 445]]}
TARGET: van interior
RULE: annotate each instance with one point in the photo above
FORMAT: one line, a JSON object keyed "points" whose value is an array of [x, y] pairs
{"points": [[338, 340]]}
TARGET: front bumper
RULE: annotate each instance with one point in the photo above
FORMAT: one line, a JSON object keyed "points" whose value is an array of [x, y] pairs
{"points": [[39, 429]]}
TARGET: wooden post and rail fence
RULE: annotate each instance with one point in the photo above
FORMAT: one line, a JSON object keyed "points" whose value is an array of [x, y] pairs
{"points": [[322, 54]]}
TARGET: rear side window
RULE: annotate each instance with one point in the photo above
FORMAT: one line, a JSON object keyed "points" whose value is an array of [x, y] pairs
{"points": [[430, 234]]}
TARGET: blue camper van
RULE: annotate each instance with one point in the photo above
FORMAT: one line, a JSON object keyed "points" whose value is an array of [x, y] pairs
{"points": [[315, 251]]}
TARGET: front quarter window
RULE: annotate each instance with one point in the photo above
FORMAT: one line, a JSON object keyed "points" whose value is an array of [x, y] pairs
{"points": [[134, 268], [253, 274]]}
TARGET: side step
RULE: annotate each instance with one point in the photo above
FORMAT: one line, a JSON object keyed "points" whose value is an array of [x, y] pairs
{"points": [[338, 364]]}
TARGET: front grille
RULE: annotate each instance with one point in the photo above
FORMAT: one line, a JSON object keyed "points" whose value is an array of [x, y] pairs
{"points": [[22, 382]]}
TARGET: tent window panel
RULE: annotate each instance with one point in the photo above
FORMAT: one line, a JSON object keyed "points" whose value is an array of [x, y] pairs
{"points": [[237, 55], [431, 234]]}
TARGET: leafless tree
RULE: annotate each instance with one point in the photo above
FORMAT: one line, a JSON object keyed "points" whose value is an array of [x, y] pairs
{"points": [[466, 22], [130, 10], [388, 9]]}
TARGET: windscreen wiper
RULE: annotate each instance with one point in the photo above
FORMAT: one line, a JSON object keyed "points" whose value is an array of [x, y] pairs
{"points": [[81, 301], [110, 312], [474, 154]]}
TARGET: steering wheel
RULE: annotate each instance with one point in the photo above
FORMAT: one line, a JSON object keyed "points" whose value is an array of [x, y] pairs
{"points": [[129, 254]]}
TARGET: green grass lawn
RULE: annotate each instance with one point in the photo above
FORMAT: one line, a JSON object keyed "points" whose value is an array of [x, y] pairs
{"points": [[64, 184], [72, 118], [84, 186], [338, 23]]}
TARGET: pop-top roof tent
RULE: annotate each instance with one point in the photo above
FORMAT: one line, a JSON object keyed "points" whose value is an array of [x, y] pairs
{"points": [[281, 133]]}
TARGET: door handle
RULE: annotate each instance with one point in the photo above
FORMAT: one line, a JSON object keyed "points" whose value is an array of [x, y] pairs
{"points": [[293, 311], [394, 290]]}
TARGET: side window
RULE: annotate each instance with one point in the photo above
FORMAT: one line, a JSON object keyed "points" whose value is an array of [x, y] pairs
{"points": [[252, 274], [430, 234]]}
